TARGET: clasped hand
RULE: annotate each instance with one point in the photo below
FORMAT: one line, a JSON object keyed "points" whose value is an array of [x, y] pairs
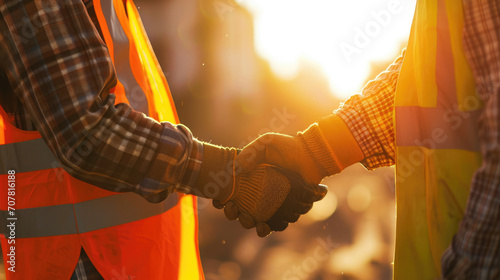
{"points": [[259, 195]]}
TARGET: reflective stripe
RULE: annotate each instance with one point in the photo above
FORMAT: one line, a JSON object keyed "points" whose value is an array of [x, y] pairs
{"points": [[41, 221], [35, 155], [91, 215], [26, 156], [133, 91], [118, 209], [437, 128]]}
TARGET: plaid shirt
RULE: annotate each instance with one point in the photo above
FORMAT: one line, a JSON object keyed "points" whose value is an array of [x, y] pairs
{"points": [[55, 76], [475, 249]]}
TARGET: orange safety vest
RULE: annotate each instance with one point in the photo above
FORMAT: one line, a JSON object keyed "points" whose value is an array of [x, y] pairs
{"points": [[437, 143], [53, 215]]}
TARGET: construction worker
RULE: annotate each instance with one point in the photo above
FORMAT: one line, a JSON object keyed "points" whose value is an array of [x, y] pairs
{"points": [[434, 113], [91, 158]]}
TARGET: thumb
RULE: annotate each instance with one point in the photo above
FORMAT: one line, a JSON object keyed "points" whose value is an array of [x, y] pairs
{"points": [[252, 155], [318, 192], [321, 191]]}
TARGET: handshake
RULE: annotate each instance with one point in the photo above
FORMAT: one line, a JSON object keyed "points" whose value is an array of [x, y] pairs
{"points": [[271, 182]]}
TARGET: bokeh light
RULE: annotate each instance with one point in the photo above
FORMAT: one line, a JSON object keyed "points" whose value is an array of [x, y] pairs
{"points": [[230, 271], [359, 198]]}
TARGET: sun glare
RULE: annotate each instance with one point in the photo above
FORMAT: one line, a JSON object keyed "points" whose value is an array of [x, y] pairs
{"points": [[341, 37]]}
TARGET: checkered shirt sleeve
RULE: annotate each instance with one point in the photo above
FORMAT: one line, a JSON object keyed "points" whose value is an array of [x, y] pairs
{"points": [[369, 116]]}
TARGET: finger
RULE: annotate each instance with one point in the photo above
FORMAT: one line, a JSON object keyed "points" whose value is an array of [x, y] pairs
{"points": [[293, 217], [313, 193], [320, 190], [277, 225], [231, 211], [217, 204], [246, 220], [263, 229], [302, 208], [302, 191], [289, 213]]}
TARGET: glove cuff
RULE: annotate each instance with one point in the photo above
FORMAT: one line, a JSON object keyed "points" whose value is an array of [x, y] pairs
{"points": [[331, 144], [216, 179]]}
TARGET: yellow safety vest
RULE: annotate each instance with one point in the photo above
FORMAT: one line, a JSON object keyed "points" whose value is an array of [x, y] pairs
{"points": [[436, 113]]}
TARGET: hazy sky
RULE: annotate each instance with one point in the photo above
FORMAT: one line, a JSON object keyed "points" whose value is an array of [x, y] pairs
{"points": [[341, 37]]}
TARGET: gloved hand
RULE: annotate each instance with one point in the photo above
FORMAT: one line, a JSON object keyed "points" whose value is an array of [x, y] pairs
{"points": [[298, 200], [321, 150], [262, 197]]}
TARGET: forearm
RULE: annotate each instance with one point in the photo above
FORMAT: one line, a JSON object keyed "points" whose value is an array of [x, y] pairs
{"points": [[62, 73], [127, 151]]}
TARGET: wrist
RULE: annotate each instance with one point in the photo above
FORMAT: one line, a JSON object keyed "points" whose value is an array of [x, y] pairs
{"points": [[318, 149], [341, 141], [332, 144], [216, 178]]}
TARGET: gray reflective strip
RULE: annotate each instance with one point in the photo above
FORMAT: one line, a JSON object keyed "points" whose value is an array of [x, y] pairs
{"points": [[118, 209], [26, 156], [91, 215], [135, 94], [41, 221], [432, 128]]}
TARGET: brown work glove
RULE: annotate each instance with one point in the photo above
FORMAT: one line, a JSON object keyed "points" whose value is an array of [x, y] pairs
{"points": [[298, 201], [324, 149], [264, 197]]}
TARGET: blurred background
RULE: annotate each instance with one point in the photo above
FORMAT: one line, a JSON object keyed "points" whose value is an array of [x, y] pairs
{"points": [[238, 69]]}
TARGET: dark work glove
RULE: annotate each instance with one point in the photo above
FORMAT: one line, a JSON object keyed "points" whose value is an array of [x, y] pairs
{"points": [[298, 201]]}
